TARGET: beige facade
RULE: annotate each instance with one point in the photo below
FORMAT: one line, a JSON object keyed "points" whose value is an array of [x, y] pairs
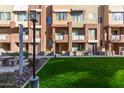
{"points": [[63, 28], [78, 31], [114, 28], [10, 18]]}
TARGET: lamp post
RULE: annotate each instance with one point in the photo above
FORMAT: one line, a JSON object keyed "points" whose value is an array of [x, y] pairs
{"points": [[34, 81]]}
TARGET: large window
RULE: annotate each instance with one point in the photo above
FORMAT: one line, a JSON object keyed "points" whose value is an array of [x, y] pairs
{"points": [[77, 32], [5, 15], [22, 16], [117, 16], [61, 16], [25, 31], [92, 34], [77, 16]]}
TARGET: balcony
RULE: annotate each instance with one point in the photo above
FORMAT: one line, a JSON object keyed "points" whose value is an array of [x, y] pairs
{"points": [[59, 37], [25, 37], [37, 40], [4, 38], [116, 37], [78, 37]]}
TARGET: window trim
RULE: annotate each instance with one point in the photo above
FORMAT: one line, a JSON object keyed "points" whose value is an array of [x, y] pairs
{"points": [[78, 17], [5, 16]]}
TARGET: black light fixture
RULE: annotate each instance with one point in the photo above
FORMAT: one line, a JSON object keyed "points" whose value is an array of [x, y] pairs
{"points": [[34, 82]]}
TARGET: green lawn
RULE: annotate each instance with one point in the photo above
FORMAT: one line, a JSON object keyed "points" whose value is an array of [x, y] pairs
{"points": [[83, 73]]}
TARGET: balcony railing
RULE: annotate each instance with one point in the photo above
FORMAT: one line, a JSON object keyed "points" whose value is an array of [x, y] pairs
{"points": [[3, 37], [59, 37], [116, 37], [25, 37], [37, 40], [79, 37]]}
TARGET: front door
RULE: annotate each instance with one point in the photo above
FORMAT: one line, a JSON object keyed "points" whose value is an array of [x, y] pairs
{"points": [[121, 51], [92, 49]]}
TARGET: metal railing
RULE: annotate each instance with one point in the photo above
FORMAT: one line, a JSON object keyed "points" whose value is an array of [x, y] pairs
{"points": [[59, 37], [78, 37]]}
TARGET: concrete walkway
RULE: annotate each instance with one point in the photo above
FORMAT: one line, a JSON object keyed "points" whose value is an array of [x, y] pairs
{"points": [[4, 69], [59, 56], [8, 68]]}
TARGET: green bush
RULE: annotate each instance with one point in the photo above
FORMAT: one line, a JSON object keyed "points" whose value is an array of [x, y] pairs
{"points": [[17, 54]]}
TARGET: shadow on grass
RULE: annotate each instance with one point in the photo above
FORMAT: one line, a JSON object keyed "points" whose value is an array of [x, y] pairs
{"points": [[82, 72]]}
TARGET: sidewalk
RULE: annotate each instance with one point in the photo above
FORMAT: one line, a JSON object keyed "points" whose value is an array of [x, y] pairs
{"points": [[59, 56]]}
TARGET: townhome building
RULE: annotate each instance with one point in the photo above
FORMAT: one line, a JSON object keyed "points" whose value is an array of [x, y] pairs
{"points": [[92, 29], [114, 29], [10, 18], [75, 28]]}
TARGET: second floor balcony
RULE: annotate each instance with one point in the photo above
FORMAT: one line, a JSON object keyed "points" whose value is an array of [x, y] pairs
{"points": [[78, 37], [4, 38], [61, 38], [117, 38]]}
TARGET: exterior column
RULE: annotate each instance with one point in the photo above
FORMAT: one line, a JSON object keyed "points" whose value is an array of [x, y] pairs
{"points": [[30, 49], [86, 37], [43, 32], [103, 39], [109, 39], [86, 46], [98, 38], [70, 36], [14, 47], [53, 44]]}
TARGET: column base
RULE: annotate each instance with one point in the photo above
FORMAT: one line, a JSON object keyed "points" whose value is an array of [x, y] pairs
{"points": [[34, 82]]}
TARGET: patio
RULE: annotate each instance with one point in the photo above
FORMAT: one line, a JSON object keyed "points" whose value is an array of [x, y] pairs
{"points": [[4, 69], [8, 68]]}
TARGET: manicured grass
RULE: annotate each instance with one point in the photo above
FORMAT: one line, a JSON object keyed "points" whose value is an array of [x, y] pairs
{"points": [[83, 73]]}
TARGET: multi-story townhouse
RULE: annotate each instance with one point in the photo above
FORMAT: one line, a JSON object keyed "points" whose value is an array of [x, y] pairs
{"points": [[75, 28], [10, 18], [90, 28], [114, 28]]}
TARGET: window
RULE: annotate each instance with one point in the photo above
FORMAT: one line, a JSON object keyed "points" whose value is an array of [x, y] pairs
{"points": [[77, 16], [25, 31], [92, 31], [77, 47], [1, 15], [100, 20], [115, 32], [38, 18], [117, 17], [92, 34], [5, 15], [77, 32], [92, 16], [38, 32], [22, 16], [61, 16]]}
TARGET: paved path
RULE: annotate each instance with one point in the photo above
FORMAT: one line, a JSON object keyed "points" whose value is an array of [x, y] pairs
{"points": [[59, 56], [8, 68]]}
